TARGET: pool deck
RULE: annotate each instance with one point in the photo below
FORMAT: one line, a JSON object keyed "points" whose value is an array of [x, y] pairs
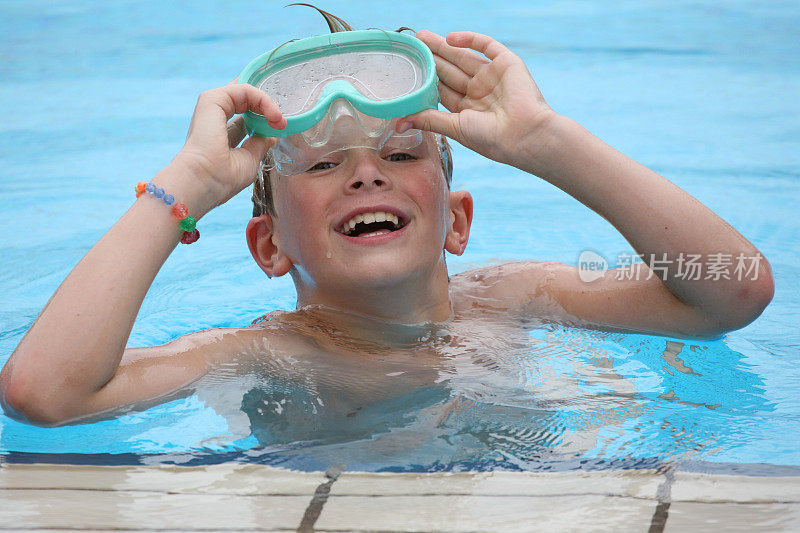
{"points": [[238, 497]]}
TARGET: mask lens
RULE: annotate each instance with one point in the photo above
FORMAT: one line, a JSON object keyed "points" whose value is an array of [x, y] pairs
{"points": [[297, 82]]}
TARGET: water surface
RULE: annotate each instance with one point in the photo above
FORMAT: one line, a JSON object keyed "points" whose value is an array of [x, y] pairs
{"points": [[97, 96]]}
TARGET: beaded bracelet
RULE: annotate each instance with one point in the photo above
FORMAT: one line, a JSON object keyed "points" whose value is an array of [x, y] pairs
{"points": [[179, 211]]}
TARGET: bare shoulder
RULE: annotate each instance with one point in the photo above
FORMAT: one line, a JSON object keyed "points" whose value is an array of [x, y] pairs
{"points": [[211, 345], [518, 286]]}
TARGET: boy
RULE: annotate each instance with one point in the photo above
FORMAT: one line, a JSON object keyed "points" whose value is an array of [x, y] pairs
{"points": [[371, 302]]}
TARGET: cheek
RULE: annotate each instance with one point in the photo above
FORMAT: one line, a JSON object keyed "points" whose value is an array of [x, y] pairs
{"points": [[295, 207], [430, 192], [297, 200], [428, 183]]}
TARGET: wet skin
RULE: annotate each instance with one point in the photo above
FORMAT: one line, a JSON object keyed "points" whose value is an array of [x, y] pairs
{"points": [[354, 364]]}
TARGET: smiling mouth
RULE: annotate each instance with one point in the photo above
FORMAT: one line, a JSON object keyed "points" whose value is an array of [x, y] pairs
{"points": [[371, 224]]}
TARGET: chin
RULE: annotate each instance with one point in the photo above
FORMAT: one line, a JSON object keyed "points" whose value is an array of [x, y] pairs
{"points": [[386, 272]]}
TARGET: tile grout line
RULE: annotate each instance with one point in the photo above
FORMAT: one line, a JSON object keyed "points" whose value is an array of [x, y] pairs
{"points": [[314, 508], [664, 497]]}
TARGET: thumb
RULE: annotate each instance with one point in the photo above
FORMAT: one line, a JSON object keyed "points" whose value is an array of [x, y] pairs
{"points": [[432, 120], [258, 146]]}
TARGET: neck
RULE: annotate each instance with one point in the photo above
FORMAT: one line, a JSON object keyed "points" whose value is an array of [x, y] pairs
{"points": [[425, 298]]}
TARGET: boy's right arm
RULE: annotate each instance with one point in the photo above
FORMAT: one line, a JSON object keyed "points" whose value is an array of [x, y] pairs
{"points": [[68, 364]]}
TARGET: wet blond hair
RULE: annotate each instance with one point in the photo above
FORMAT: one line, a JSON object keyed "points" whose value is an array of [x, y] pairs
{"points": [[262, 187]]}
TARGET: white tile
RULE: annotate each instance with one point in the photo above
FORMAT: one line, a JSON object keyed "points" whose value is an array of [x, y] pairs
{"points": [[43, 476], [485, 513], [87, 509], [638, 484], [744, 489], [762, 517], [215, 479]]}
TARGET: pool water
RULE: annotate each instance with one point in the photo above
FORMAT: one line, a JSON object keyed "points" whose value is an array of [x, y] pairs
{"points": [[98, 96]]}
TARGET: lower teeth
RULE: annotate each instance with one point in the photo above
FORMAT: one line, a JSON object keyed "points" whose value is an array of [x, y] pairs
{"points": [[376, 233]]}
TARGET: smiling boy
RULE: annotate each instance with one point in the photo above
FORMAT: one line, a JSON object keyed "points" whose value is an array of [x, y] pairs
{"points": [[366, 295]]}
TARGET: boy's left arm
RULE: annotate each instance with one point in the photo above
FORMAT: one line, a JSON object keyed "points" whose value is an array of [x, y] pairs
{"points": [[497, 110]]}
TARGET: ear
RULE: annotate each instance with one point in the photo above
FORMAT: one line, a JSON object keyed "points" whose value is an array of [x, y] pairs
{"points": [[460, 222], [263, 244]]}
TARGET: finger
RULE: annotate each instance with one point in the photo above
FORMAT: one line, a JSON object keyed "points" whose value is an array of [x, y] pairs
{"points": [[432, 120], [238, 98], [451, 75], [215, 107], [468, 61], [450, 99], [478, 42], [236, 131]]}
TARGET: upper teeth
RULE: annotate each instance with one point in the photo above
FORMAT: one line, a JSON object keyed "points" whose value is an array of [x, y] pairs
{"points": [[369, 218]]}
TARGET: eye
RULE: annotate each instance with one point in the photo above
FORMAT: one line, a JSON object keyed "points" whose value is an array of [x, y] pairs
{"points": [[400, 156], [322, 165]]}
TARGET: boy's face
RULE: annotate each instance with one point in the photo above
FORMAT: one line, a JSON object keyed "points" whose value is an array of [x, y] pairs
{"points": [[311, 230]]}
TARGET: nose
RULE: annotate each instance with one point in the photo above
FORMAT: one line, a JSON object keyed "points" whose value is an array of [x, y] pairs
{"points": [[367, 175], [375, 182]]}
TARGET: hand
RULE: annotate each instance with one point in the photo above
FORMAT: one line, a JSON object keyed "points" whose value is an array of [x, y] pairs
{"points": [[495, 107], [211, 154]]}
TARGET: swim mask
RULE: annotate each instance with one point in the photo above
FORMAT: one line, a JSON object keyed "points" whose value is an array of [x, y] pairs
{"points": [[329, 87]]}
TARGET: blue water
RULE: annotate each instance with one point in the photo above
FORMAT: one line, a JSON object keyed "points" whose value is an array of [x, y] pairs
{"points": [[97, 96]]}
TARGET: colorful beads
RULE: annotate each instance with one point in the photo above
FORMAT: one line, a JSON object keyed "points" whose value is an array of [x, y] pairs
{"points": [[188, 223], [179, 210], [190, 237]]}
